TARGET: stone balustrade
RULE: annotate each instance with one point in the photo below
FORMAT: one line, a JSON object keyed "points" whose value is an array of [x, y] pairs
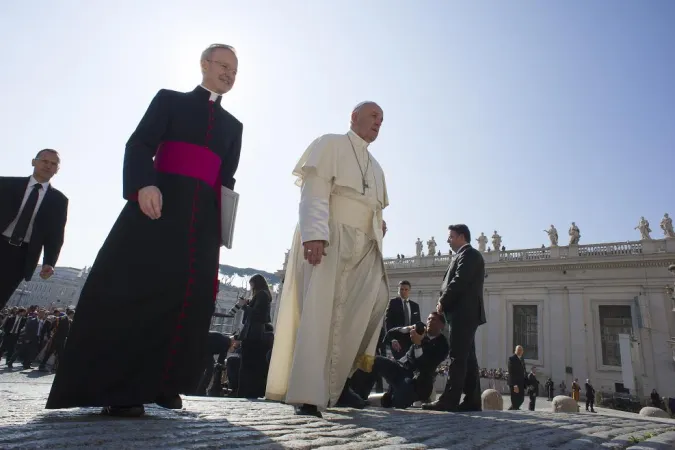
{"points": [[546, 253]]}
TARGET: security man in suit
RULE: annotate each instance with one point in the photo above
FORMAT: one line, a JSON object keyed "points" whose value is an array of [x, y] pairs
{"points": [[461, 301], [33, 217], [401, 312], [517, 378]]}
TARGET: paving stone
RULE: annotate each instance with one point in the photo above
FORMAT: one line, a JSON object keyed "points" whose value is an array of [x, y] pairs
{"points": [[236, 423]]}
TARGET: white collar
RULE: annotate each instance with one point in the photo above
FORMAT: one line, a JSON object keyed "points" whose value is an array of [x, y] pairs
{"points": [[214, 96], [357, 140], [462, 248], [32, 182]]}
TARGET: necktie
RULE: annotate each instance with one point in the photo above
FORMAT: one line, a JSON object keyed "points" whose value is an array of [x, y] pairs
{"points": [[17, 322], [406, 313], [21, 227]]}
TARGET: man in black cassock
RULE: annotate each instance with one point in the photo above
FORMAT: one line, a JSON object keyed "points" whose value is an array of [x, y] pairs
{"points": [[159, 263]]}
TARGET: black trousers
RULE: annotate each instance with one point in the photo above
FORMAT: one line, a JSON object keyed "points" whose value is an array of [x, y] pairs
{"points": [[253, 370], [533, 401], [399, 379], [463, 373], [26, 353], [517, 399], [590, 402], [232, 369], [8, 346], [12, 267]]}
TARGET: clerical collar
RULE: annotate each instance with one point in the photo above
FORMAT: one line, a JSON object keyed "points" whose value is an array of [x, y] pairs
{"points": [[357, 140], [32, 182], [214, 97]]}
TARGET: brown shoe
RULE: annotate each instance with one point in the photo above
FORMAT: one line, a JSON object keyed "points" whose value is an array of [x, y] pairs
{"points": [[123, 411]]}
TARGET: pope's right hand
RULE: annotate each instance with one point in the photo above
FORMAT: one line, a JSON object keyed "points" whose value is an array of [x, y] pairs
{"points": [[314, 251], [515, 389], [150, 201]]}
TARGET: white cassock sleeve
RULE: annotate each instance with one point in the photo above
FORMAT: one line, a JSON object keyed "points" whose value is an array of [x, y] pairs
{"points": [[314, 208]]}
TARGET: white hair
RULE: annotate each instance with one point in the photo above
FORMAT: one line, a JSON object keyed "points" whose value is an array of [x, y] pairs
{"points": [[206, 54], [358, 107]]}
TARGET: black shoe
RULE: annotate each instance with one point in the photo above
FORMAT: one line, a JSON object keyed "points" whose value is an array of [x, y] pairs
{"points": [[308, 410], [123, 411], [387, 400], [439, 406], [169, 401], [469, 407], [350, 399]]}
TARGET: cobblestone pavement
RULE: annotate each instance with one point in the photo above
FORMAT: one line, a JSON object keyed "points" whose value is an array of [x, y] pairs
{"points": [[234, 423]]}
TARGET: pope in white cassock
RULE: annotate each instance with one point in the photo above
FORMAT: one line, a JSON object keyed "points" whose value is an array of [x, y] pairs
{"points": [[335, 290]]}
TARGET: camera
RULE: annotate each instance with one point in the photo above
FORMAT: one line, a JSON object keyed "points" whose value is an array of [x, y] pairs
{"points": [[420, 328]]}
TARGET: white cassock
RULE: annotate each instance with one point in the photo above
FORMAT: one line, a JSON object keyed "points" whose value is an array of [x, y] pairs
{"points": [[330, 315]]}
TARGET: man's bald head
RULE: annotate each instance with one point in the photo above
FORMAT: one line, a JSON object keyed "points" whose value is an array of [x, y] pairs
{"points": [[519, 351], [366, 120]]}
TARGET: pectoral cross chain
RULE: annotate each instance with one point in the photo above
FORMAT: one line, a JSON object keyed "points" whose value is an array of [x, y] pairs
{"points": [[364, 183]]}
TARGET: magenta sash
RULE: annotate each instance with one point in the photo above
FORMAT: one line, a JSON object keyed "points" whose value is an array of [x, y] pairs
{"points": [[190, 160]]}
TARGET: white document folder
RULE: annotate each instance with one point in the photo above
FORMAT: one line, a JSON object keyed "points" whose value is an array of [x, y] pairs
{"points": [[229, 200]]}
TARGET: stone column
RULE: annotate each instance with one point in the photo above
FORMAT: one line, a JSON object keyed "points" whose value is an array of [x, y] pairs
{"points": [[578, 333], [496, 334], [556, 334]]}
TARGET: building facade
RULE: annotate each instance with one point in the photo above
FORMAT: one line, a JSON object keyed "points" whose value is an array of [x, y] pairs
{"points": [[59, 291], [567, 306]]}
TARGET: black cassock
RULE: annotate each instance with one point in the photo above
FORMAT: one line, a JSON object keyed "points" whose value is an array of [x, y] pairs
{"points": [[143, 317]]}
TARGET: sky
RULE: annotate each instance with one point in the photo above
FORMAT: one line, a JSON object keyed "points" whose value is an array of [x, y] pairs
{"points": [[506, 116]]}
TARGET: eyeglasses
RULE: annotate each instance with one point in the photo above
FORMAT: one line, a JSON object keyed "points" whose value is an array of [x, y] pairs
{"points": [[224, 66]]}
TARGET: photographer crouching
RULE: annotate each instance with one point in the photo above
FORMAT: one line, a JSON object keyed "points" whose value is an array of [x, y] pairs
{"points": [[412, 377]]}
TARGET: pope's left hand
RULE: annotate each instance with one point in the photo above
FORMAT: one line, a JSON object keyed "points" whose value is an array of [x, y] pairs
{"points": [[439, 308], [46, 272], [384, 228]]}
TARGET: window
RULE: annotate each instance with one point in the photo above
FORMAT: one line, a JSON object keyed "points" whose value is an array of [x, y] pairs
{"points": [[526, 330], [614, 320]]}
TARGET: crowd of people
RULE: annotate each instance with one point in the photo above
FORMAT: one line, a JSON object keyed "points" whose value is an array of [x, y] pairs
{"points": [[34, 334]]}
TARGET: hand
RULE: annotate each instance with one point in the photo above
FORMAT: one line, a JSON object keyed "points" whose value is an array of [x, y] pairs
{"points": [[439, 308], [515, 389], [395, 346], [314, 251], [150, 201], [415, 338], [384, 228], [46, 272], [241, 301]]}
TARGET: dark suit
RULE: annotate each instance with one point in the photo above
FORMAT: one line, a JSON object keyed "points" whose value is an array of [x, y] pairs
{"points": [[411, 378], [517, 377], [394, 317], [462, 301], [28, 343], [19, 262], [10, 338]]}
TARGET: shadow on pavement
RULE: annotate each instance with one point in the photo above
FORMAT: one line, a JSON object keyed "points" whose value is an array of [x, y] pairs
{"points": [[159, 428], [505, 429]]}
